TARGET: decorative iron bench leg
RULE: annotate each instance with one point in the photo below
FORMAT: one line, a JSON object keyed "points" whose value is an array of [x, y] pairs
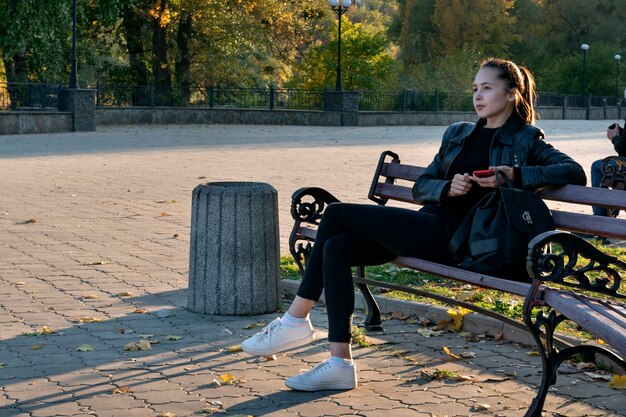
{"points": [[373, 321]]}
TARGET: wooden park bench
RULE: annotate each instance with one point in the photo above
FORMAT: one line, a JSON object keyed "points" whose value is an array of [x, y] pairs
{"points": [[572, 280]]}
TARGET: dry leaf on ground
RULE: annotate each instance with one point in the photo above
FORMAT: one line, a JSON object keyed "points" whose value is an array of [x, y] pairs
{"points": [[235, 348], [84, 348], [122, 390], [37, 346], [140, 345], [173, 337], [430, 332], [399, 315]]}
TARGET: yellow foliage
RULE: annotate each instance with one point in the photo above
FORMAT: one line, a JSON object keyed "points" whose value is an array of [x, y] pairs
{"points": [[619, 382]]}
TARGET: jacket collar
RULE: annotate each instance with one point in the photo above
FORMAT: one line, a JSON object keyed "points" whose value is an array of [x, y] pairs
{"points": [[504, 135]]}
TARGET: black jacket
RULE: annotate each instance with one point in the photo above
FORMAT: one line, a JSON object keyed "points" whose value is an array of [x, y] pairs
{"points": [[515, 144], [619, 141]]}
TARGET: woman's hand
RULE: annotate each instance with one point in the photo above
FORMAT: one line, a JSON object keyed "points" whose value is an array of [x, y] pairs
{"points": [[461, 184], [492, 181]]}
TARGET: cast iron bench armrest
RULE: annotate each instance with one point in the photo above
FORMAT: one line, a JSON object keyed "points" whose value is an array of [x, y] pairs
{"points": [[566, 260]]}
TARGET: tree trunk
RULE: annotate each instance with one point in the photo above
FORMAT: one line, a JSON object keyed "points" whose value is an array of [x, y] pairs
{"points": [[134, 27], [160, 63], [183, 39]]}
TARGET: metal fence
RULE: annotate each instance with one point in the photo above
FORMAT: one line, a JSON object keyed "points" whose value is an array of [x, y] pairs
{"points": [[27, 96], [209, 96]]}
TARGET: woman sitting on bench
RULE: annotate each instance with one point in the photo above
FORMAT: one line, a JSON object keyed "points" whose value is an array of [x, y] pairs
{"points": [[504, 139]]}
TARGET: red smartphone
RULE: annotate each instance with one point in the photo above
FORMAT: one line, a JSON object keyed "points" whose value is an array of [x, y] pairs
{"points": [[483, 173]]}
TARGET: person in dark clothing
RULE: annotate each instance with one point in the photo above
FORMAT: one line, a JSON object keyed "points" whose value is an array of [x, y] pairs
{"points": [[617, 136], [504, 139]]}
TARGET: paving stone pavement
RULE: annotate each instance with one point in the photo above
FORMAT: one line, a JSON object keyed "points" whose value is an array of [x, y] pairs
{"points": [[94, 244]]}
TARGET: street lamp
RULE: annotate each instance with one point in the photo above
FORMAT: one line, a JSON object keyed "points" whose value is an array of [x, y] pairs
{"points": [[73, 60], [340, 7], [618, 57], [584, 47]]}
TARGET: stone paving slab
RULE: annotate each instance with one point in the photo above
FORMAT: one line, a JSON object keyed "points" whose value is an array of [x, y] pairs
{"points": [[94, 243]]}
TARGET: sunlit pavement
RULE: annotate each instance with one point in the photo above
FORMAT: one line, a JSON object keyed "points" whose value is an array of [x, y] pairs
{"points": [[95, 246]]}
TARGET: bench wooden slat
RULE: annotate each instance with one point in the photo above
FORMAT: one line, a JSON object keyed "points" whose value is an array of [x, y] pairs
{"points": [[590, 196], [394, 192], [446, 271], [594, 225], [401, 171], [579, 312]]}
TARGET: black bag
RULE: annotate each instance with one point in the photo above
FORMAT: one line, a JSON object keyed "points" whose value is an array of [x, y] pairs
{"points": [[493, 238]]}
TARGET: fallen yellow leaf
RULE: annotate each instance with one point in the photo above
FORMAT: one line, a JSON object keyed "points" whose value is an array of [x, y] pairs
{"points": [[173, 337], [228, 378], [139, 311], [449, 352], [457, 318], [254, 325], [164, 214], [44, 330], [36, 347], [619, 382], [124, 294], [90, 320], [84, 348], [166, 414], [235, 348], [97, 263]]}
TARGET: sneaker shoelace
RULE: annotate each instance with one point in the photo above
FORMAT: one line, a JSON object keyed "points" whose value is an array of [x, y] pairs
{"points": [[317, 368], [269, 331]]}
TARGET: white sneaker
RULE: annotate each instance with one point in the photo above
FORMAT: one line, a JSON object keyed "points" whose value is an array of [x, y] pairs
{"points": [[324, 376], [276, 337]]}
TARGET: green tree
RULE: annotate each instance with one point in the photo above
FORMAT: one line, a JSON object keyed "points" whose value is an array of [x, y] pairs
{"points": [[366, 61]]}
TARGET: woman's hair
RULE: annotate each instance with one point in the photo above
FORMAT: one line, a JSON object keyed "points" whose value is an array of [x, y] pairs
{"points": [[522, 79]]}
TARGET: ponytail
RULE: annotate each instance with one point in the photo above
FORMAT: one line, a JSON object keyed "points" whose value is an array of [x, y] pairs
{"points": [[520, 78]]}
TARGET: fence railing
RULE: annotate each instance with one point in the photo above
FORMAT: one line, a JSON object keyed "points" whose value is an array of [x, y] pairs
{"points": [[25, 96], [29, 96], [209, 96]]}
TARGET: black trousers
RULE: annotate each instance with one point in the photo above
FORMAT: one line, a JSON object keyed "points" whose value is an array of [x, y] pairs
{"points": [[357, 234]]}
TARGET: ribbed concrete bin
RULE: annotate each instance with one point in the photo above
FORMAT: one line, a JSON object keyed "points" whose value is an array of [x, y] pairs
{"points": [[234, 265]]}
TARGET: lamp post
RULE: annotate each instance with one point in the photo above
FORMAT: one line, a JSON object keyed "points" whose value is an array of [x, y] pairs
{"points": [[73, 61], [340, 7], [584, 47], [618, 57]]}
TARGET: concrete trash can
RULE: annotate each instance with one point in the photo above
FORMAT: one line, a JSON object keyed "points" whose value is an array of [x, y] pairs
{"points": [[234, 258]]}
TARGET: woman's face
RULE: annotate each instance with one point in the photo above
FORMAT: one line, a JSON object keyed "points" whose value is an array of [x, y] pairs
{"points": [[492, 100]]}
